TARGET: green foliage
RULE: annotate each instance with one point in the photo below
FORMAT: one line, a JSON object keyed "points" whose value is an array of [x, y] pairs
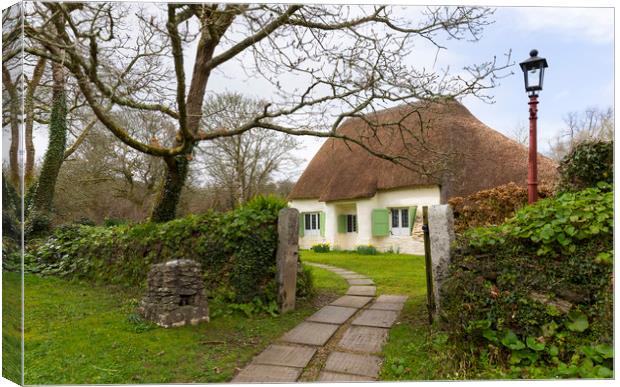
{"points": [[554, 226], [321, 248], [111, 222], [587, 164], [236, 249], [42, 196], [366, 250], [491, 206], [537, 289]]}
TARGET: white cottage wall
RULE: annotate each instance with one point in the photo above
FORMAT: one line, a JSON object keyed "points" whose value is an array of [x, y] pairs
{"points": [[406, 197]]}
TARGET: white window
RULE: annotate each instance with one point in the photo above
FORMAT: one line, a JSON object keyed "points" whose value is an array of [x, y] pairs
{"points": [[400, 221], [351, 223], [312, 223]]}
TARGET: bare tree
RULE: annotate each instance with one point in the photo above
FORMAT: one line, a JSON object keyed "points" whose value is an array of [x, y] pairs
{"points": [[521, 134], [329, 63], [243, 165], [590, 124]]}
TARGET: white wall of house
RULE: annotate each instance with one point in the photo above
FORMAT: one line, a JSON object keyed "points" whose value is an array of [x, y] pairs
{"points": [[398, 198]]}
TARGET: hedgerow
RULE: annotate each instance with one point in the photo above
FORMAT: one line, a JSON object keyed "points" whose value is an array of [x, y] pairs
{"points": [[491, 206], [533, 296], [236, 249], [588, 163]]}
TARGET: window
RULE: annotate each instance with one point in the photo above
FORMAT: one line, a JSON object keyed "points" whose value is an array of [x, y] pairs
{"points": [[400, 221], [351, 223], [312, 223]]}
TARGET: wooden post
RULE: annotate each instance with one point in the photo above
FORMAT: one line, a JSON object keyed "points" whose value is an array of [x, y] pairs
{"points": [[430, 294], [287, 258]]}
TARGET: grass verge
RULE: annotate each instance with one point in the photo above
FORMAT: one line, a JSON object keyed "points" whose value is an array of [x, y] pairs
{"points": [[80, 333]]}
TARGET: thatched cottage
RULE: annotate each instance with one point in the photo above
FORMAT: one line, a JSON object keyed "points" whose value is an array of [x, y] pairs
{"points": [[348, 197]]}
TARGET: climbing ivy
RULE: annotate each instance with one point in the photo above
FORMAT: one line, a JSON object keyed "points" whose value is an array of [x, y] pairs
{"points": [[236, 249]]}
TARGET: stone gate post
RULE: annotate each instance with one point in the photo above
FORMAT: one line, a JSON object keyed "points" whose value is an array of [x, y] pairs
{"points": [[441, 230], [287, 258]]}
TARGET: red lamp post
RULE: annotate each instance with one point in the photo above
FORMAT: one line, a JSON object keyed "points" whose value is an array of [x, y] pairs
{"points": [[533, 73]]}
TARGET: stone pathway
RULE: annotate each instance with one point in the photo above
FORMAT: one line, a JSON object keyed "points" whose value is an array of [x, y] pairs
{"points": [[342, 339]]}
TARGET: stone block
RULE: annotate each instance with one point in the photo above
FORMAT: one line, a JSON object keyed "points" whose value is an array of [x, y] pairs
{"points": [[285, 355], [348, 363], [352, 301], [376, 318], [361, 281], [310, 333], [326, 376], [362, 291], [332, 314], [364, 339], [260, 373]]}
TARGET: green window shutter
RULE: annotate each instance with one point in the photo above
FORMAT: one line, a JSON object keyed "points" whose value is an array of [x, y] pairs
{"points": [[412, 212], [342, 223], [380, 222], [322, 223], [301, 224]]}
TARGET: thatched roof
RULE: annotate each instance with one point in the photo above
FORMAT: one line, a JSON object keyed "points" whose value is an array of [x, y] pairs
{"points": [[439, 144]]}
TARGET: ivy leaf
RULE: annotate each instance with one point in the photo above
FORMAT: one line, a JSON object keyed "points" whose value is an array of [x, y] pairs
{"points": [[490, 335], [532, 343], [549, 329], [511, 341], [605, 350], [603, 372], [553, 351], [578, 322]]}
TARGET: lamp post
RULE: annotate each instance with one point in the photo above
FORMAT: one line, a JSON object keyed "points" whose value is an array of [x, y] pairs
{"points": [[533, 73]]}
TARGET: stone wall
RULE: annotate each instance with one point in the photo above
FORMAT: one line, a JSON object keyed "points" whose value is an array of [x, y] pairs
{"points": [[175, 294]]}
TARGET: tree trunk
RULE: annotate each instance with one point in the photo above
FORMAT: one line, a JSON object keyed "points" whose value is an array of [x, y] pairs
{"points": [[29, 121], [166, 204], [14, 115], [43, 194]]}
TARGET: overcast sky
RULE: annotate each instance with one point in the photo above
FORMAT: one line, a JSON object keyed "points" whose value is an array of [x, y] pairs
{"points": [[577, 42]]}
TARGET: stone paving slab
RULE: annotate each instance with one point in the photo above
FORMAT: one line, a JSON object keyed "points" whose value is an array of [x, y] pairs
{"points": [[310, 333], [353, 276], [352, 301], [332, 314], [256, 373], [364, 281], [285, 355], [326, 376], [362, 291], [387, 306], [394, 299], [349, 363], [376, 318], [364, 339]]}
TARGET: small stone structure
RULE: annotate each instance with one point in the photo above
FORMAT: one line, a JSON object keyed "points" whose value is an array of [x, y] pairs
{"points": [[441, 232], [175, 294], [287, 258]]}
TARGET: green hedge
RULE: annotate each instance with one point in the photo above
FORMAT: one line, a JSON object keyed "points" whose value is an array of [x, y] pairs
{"points": [[534, 297], [588, 163], [236, 249]]}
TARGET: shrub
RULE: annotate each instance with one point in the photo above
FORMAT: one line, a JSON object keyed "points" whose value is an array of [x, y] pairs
{"points": [[236, 249], [535, 293], [366, 250], [492, 206], [321, 248], [587, 163], [110, 222]]}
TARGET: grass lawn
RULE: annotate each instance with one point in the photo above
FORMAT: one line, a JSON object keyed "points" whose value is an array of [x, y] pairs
{"points": [[413, 351], [11, 326], [77, 332]]}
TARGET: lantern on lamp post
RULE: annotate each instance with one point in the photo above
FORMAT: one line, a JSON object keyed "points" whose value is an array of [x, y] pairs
{"points": [[533, 73]]}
